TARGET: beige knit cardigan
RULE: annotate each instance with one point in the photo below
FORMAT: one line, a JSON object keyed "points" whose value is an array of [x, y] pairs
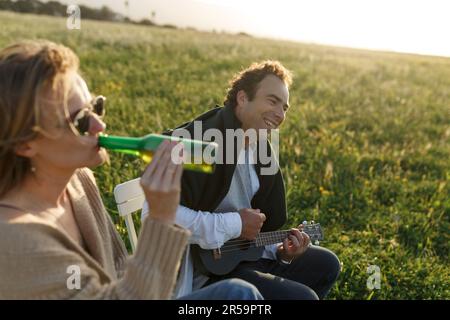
{"points": [[40, 261]]}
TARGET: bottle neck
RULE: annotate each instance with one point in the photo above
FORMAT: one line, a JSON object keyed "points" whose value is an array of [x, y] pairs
{"points": [[120, 143]]}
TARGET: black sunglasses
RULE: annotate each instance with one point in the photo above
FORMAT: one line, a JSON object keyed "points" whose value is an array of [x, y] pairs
{"points": [[82, 118]]}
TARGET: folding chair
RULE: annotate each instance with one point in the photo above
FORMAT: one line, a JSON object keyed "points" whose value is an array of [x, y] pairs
{"points": [[129, 198]]}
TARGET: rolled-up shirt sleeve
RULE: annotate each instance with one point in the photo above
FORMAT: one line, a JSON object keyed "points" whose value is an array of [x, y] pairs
{"points": [[208, 229]]}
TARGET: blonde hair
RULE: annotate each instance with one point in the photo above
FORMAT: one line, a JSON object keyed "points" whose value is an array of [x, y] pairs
{"points": [[250, 78], [28, 71]]}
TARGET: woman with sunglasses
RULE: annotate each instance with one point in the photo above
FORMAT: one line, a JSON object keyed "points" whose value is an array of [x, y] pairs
{"points": [[56, 239]]}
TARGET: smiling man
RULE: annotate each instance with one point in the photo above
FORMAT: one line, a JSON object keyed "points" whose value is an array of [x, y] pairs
{"points": [[239, 201]]}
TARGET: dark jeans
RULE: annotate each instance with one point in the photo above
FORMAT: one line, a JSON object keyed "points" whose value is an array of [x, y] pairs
{"points": [[309, 277], [230, 289]]}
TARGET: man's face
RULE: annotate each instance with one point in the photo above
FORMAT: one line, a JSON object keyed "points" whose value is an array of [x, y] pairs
{"points": [[268, 108]]}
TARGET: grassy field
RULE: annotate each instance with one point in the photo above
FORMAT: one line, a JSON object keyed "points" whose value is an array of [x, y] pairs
{"points": [[365, 149]]}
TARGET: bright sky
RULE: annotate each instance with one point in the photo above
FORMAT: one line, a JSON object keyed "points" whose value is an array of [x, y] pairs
{"points": [[416, 26]]}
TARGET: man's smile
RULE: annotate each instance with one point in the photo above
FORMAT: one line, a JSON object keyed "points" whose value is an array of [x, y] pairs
{"points": [[270, 123]]}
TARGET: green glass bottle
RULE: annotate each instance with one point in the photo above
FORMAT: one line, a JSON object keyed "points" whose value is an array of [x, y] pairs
{"points": [[197, 155]]}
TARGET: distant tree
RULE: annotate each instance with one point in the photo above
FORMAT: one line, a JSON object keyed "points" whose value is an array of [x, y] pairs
{"points": [[54, 8], [24, 6], [146, 22], [6, 5], [106, 13], [169, 26], [243, 34]]}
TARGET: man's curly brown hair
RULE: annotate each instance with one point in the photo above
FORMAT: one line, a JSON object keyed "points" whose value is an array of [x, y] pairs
{"points": [[250, 78]]}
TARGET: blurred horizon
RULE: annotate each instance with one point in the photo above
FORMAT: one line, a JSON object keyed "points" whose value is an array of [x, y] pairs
{"points": [[414, 26]]}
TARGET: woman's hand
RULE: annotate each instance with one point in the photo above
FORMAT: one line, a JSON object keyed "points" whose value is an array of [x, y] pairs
{"points": [[161, 183]]}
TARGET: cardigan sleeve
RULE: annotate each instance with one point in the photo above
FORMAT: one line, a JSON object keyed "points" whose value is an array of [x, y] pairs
{"points": [[36, 263]]}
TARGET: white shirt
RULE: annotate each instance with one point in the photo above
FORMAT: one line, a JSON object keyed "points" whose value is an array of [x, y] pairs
{"points": [[210, 231]]}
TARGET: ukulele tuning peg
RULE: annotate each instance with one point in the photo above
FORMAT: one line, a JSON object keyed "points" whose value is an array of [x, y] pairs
{"points": [[304, 222], [311, 222]]}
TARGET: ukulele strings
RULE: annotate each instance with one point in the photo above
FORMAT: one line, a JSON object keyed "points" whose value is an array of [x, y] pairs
{"points": [[272, 236], [269, 236], [239, 244]]}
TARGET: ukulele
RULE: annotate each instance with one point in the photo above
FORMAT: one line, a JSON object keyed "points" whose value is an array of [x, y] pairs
{"points": [[223, 260]]}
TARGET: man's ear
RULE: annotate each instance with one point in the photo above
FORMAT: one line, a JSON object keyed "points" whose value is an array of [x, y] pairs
{"points": [[241, 98], [26, 149]]}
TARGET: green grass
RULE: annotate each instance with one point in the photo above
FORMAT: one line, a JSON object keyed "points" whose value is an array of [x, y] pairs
{"points": [[364, 150]]}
